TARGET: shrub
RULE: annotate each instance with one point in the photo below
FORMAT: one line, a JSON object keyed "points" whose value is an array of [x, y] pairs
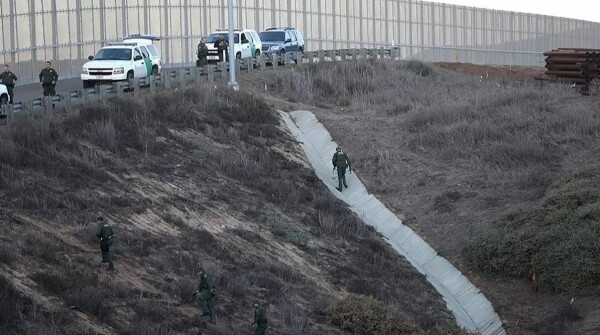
{"points": [[557, 240], [359, 314], [288, 232], [418, 67]]}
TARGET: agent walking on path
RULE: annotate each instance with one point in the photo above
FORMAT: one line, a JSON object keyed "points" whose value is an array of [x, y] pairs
{"points": [[8, 79], [48, 78], [205, 295], [260, 319], [106, 235], [340, 162]]}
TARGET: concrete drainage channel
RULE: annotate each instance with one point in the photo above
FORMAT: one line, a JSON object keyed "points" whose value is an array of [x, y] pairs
{"points": [[470, 307]]}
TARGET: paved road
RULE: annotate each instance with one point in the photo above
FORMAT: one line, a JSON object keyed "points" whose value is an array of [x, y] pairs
{"points": [[33, 91]]}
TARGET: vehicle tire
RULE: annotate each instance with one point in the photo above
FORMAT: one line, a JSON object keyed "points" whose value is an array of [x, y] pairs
{"points": [[3, 100], [154, 71], [88, 84], [129, 80]]}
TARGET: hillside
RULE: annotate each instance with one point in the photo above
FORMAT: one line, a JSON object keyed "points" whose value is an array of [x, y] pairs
{"points": [[189, 178], [466, 161]]}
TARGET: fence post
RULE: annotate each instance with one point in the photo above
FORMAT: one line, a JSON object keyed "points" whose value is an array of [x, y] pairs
{"points": [[343, 54], [275, 60], [311, 57], [136, 86], [250, 65], [167, 80], [152, 82], [321, 55], [49, 104], [67, 101], [237, 67], [224, 69], [28, 108], [263, 62], [211, 73], [10, 116]]}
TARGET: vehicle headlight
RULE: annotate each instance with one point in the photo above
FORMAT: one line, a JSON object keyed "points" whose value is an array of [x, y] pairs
{"points": [[274, 48], [119, 70], [84, 71]]}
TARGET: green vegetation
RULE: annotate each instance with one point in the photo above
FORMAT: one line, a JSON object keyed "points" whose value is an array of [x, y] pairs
{"points": [[359, 314], [558, 240]]}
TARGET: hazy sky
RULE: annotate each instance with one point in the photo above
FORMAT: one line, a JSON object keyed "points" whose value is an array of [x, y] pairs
{"points": [[577, 9]]}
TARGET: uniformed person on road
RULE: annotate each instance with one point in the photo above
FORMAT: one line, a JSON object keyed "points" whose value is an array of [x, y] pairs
{"points": [[8, 79], [340, 162], [202, 53], [222, 45], [260, 319], [48, 79], [106, 236], [205, 295]]}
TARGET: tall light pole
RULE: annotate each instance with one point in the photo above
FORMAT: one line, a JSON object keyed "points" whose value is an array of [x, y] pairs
{"points": [[232, 83]]}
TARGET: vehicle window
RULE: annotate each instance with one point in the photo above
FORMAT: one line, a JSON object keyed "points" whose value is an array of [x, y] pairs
{"points": [[255, 36], [153, 50], [212, 38], [293, 36], [136, 52], [272, 36], [113, 54], [249, 37], [144, 52]]}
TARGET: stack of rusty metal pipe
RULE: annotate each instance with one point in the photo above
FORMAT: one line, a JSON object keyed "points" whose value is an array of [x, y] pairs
{"points": [[578, 66]]}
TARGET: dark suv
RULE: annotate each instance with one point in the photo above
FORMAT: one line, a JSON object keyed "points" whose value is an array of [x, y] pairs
{"points": [[281, 40]]}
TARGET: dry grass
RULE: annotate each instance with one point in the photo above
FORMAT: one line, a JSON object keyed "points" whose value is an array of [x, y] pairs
{"points": [[188, 178], [452, 153]]}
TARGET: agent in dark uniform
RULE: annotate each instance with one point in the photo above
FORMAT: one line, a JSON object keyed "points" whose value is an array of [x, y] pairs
{"points": [[260, 319], [205, 295], [8, 79], [105, 234], [340, 162], [48, 78]]}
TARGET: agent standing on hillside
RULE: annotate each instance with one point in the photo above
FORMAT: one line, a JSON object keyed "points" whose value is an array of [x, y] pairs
{"points": [[205, 295], [260, 319], [8, 79], [105, 234], [202, 53], [48, 78], [340, 162]]}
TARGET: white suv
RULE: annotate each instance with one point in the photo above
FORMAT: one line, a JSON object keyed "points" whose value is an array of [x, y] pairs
{"points": [[246, 44], [135, 57], [4, 97]]}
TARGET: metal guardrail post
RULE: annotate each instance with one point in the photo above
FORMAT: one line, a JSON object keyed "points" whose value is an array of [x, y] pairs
{"points": [[10, 116], [321, 55], [152, 82], [48, 105], [167, 80], [262, 62], [102, 89], [288, 59], [83, 95], [136, 86], [363, 54], [181, 78], [343, 54], [237, 67], [211, 73], [28, 109], [224, 69], [311, 57], [354, 54], [66, 98], [275, 60], [120, 89]]}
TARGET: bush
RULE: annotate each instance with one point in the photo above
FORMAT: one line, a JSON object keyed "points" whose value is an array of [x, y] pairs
{"points": [[8, 254], [288, 232], [359, 314], [557, 239]]}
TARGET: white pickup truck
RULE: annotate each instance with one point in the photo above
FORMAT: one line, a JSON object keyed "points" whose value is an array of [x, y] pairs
{"points": [[135, 57]]}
